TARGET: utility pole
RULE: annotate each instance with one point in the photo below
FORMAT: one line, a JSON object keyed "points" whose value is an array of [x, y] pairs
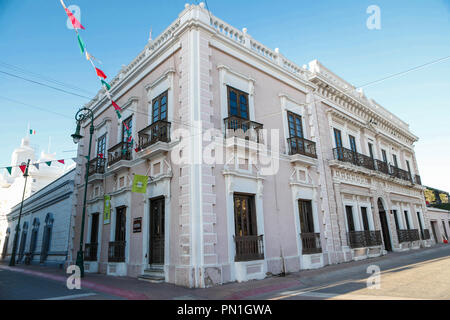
{"points": [[12, 262]]}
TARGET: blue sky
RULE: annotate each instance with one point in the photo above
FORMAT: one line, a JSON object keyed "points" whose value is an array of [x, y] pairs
{"points": [[35, 38]]}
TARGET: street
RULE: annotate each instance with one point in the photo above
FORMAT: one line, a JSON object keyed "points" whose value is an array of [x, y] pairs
{"points": [[421, 274]]}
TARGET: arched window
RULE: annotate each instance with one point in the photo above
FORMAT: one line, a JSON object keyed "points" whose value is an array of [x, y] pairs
{"points": [[23, 240], [47, 236], [5, 244], [34, 235]]}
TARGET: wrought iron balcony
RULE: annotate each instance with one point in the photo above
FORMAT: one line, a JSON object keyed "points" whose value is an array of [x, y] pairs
{"points": [[400, 173], [116, 251], [407, 235], [249, 248], [90, 251], [121, 151], [382, 166], [243, 128], [157, 131], [303, 146], [426, 234], [417, 180], [311, 243], [358, 159], [363, 239], [97, 165]]}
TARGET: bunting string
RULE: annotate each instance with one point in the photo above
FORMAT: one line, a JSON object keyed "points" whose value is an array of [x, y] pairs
{"points": [[100, 74], [36, 165]]}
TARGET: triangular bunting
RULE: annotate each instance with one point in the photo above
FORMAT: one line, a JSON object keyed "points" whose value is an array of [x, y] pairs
{"points": [[9, 169], [23, 168], [36, 165], [106, 84], [49, 163], [81, 44], [75, 23], [100, 73], [118, 114], [136, 149], [100, 155], [115, 105], [61, 161]]}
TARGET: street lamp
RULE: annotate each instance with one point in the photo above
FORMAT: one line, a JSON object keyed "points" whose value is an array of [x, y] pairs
{"points": [[82, 115]]}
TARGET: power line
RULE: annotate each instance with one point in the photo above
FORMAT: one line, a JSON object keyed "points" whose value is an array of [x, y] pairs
{"points": [[35, 107], [45, 85], [44, 77]]}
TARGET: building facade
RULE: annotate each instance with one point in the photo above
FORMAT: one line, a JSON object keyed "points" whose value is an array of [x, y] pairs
{"points": [[45, 224], [257, 166], [440, 224]]}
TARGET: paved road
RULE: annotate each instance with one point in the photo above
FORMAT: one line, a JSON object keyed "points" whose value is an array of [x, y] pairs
{"points": [[19, 286], [421, 274]]}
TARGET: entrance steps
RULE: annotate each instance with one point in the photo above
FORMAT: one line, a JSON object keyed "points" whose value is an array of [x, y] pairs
{"points": [[153, 275]]}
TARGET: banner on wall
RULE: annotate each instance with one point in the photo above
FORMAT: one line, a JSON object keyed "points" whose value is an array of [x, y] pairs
{"points": [[139, 184], [107, 210]]}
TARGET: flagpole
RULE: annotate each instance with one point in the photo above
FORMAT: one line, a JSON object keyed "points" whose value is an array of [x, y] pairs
{"points": [[12, 262]]}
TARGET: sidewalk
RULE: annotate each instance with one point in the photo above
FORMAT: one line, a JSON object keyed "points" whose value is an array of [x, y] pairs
{"points": [[134, 289]]}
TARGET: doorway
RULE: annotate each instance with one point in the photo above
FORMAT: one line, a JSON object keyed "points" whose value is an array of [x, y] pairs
{"points": [[384, 226], [157, 232], [434, 230]]}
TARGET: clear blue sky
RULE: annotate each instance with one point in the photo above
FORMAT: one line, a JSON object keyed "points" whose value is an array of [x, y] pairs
{"points": [[34, 37]]}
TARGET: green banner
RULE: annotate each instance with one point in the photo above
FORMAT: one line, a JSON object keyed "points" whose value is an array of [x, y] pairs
{"points": [[107, 210], [139, 184]]}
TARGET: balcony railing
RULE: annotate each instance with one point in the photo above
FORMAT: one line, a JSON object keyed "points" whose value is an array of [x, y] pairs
{"points": [[350, 156], [243, 128], [90, 251], [358, 159], [311, 243], [157, 131], [426, 234], [116, 251], [299, 145], [407, 235], [97, 165], [382, 166], [400, 173], [121, 151], [249, 248], [363, 239], [417, 180]]}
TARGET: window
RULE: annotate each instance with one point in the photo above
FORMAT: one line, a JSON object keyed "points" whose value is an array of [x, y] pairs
{"points": [[371, 150], [94, 228], [420, 225], [127, 123], [394, 157], [237, 103], [46, 239], [101, 146], [351, 222], [306, 216], [365, 218], [159, 108], [383, 153], [397, 226], [352, 143], [120, 224], [445, 230], [295, 125], [408, 226], [244, 216], [338, 138], [5, 243]]}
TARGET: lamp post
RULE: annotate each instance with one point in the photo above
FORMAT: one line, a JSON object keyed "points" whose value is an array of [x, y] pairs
{"points": [[12, 261], [83, 114]]}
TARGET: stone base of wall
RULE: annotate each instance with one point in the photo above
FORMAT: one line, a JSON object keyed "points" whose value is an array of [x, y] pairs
{"points": [[91, 267], [312, 261], [117, 269]]}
